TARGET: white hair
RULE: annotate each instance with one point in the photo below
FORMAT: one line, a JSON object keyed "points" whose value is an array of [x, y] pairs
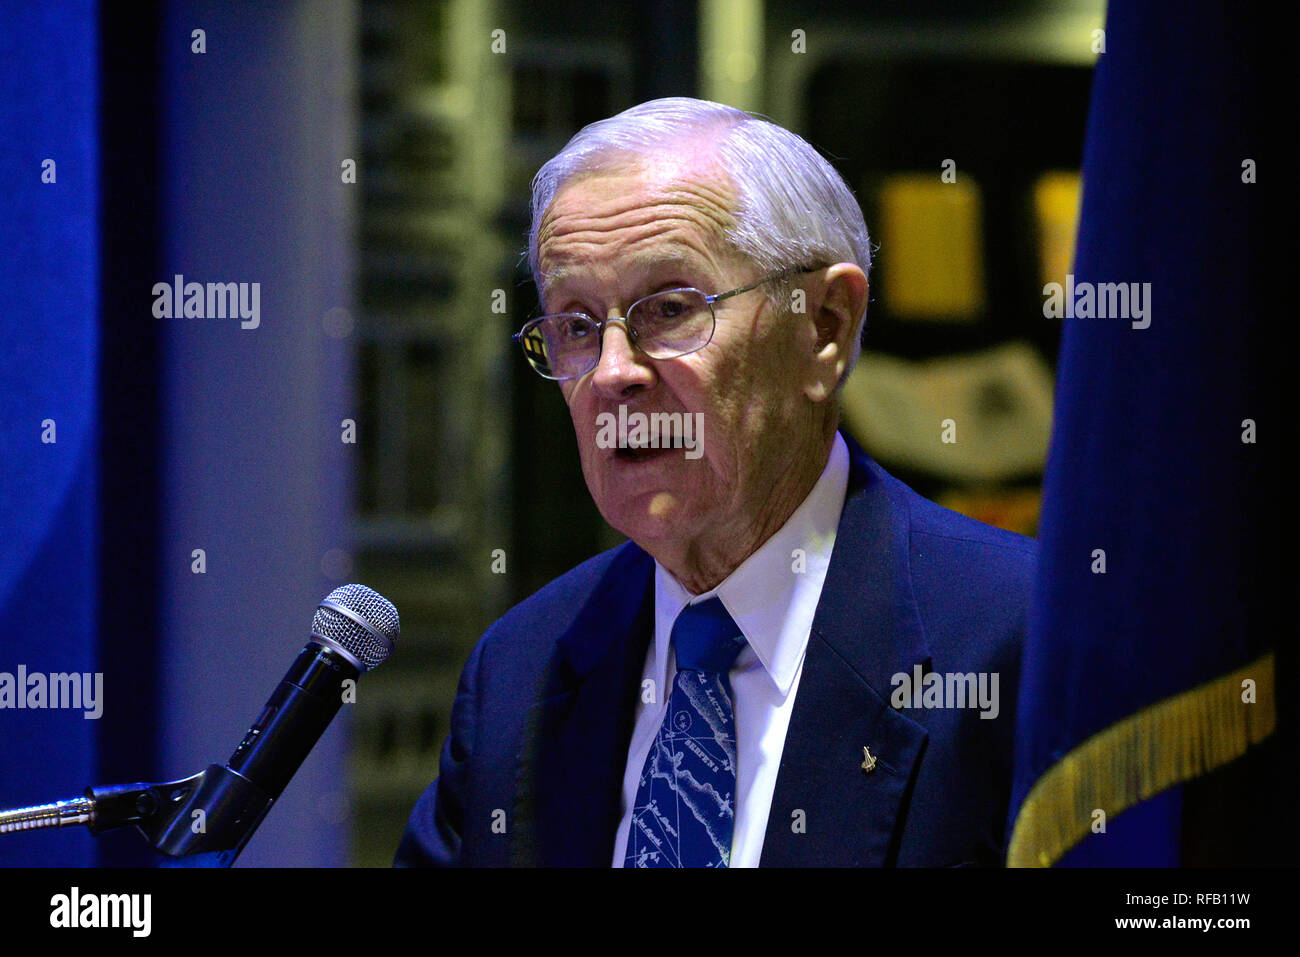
{"points": [[792, 207]]}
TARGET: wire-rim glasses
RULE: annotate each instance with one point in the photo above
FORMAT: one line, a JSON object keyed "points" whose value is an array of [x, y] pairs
{"points": [[664, 325]]}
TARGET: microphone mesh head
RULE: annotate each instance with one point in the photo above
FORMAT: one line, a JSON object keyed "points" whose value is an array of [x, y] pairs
{"points": [[371, 638]]}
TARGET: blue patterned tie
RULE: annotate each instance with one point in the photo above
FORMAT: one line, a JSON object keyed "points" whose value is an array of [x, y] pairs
{"points": [[685, 804]]}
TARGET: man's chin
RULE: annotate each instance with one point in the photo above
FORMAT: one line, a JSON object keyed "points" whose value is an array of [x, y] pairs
{"points": [[650, 517]]}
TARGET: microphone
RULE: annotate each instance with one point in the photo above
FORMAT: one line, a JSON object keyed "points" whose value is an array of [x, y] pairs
{"points": [[354, 630]]}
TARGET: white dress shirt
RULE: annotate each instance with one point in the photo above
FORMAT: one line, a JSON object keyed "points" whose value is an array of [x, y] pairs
{"points": [[772, 597]]}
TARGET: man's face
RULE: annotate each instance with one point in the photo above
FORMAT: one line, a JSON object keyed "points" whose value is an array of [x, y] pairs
{"points": [[607, 240]]}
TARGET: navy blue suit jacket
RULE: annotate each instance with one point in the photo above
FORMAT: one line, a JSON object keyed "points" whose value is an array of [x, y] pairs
{"points": [[532, 770]]}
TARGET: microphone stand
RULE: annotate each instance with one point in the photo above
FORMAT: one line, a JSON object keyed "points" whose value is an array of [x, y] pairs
{"points": [[212, 813], [215, 812]]}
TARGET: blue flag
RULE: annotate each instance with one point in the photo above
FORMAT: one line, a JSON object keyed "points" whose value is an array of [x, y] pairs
{"points": [[1148, 663]]}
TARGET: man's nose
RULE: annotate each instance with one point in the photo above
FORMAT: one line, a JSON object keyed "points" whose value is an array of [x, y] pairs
{"points": [[622, 367]]}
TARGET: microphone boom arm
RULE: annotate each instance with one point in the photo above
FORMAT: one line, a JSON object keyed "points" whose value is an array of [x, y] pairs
{"points": [[216, 810]]}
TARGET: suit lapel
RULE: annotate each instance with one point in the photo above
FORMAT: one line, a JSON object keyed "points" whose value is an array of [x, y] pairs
{"points": [[569, 787], [826, 810], [866, 629]]}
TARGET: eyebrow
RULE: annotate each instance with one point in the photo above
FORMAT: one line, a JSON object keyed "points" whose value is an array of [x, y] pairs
{"points": [[671, 260]]}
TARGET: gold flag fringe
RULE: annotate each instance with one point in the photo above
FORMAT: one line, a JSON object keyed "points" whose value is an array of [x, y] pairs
{"points": [[1134, 759]]}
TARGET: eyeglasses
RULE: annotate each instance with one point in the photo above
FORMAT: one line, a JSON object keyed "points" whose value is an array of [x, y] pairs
{"points": [[663, 325]]}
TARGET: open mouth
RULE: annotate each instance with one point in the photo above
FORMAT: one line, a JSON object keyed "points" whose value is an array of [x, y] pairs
{"points": [[641, 454]]}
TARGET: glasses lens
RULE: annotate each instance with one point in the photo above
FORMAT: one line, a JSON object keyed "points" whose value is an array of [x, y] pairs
{"points": [[562, 346], [672, 323]]}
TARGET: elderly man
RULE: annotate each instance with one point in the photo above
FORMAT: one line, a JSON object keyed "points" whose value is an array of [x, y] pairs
{"points": [[765, 673]]}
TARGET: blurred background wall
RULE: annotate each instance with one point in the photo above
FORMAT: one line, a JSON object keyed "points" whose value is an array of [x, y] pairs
{"points": [[368, 164]]}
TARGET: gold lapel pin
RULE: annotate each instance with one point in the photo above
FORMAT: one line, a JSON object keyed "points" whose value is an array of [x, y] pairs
{"points": [[868, 762]]}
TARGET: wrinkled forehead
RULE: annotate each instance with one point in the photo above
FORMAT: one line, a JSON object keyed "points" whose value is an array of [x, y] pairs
{"points": [[649, 206]]}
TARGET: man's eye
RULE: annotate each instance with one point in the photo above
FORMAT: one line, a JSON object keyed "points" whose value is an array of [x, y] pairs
{"points": [[574, 327], [667, 307], [670, 307]]}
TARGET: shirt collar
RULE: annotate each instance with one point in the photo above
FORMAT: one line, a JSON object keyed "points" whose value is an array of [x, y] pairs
{"points": [[772, 596]]}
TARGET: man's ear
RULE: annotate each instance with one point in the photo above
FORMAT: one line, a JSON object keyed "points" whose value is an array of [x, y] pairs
{"points": [[836, 303]]}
